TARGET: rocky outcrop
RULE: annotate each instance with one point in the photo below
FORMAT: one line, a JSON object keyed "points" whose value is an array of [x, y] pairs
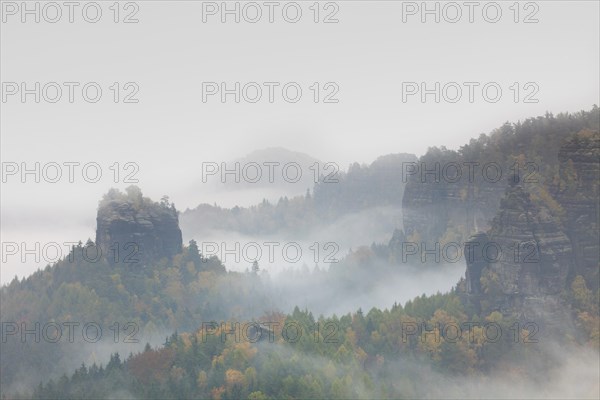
{"points": [[578, 194], [535, 254], [439, 206], [132, 229], [435, 203], [395, 246], [477, 260], [527, 255]]}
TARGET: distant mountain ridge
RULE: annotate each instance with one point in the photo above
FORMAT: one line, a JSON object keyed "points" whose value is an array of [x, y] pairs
{"points": [[277, 167], [360, 188]]}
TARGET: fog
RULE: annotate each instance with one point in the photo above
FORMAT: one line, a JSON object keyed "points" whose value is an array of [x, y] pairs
{"points": [[322, 295], [330, 256], [290, 258], [567, 372], [373, 225], [171, 132], [70, 356], [561, 372]]}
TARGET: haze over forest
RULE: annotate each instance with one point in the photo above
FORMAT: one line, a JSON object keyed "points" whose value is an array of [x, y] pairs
{"points": [[380, 262], [354, 200]]}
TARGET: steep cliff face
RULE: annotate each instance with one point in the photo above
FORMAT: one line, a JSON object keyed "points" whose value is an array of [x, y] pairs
{"points": [[535, 251], [578, 194], [521, 265], [133, 229], [431, 208], [394, 247], [535, 254], [438, 207], [477, 259]]}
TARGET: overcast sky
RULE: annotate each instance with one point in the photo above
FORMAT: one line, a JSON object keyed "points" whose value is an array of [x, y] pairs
{"points": [[368, 57]]}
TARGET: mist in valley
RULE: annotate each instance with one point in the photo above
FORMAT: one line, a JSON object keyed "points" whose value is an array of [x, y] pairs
{"points": [[333, 212]]}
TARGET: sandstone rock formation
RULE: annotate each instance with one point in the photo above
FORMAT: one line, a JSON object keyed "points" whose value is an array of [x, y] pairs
{"points": [[432, 205], [133, 229], [395, 246], [525, 247], [477, 259], [521, 265], [527, 259], [578, 194]]}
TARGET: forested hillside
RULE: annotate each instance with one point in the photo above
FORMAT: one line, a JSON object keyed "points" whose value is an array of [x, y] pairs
{"points": [[336, 194], [529, 324], [455, 193]]}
